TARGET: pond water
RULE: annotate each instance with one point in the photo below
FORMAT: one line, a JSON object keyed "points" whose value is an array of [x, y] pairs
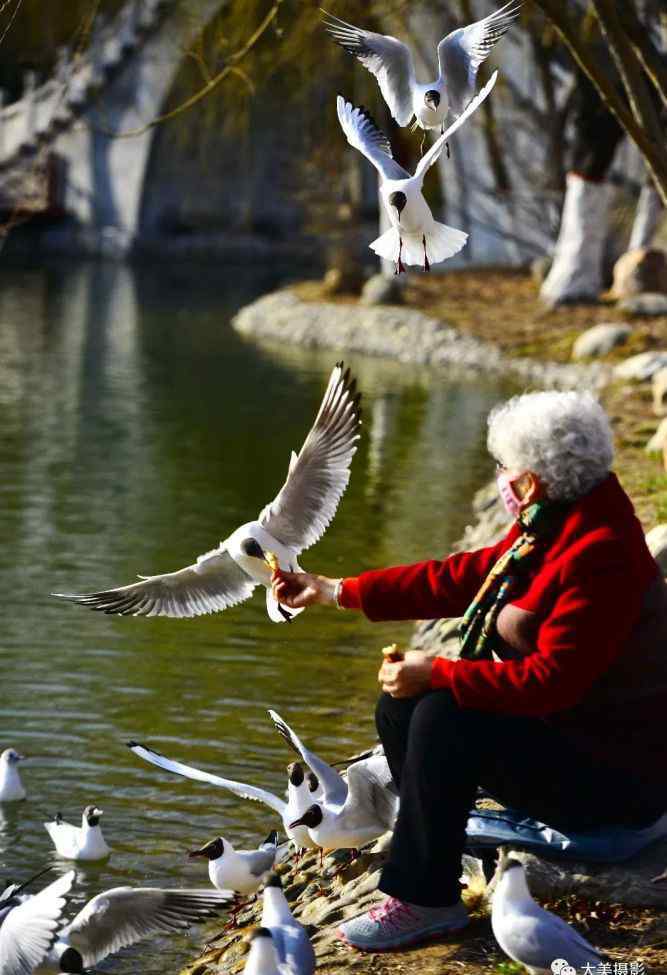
{"points": [[136, 430]]}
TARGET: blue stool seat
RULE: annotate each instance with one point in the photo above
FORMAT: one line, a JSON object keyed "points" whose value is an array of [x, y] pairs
{"points": [[608, 844]]}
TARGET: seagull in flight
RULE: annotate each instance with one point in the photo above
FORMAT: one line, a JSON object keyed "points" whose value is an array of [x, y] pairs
{"points": [[29, 924], [459, 56], [296, 519], [415, 237], [530, 935]]}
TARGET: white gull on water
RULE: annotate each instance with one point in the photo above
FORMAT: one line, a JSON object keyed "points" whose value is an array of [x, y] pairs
{"points": [[83, 842]]}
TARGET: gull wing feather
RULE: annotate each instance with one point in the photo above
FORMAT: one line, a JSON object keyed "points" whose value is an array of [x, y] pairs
{"points": [[122, 916], [261, 861], [306, 503], [537, 938], [187, 771], [213, 583], [29, 930], [385, 57], [368, 783], [433, 153], [333, 785], [461, 52], [65, 837], [363, 134]]}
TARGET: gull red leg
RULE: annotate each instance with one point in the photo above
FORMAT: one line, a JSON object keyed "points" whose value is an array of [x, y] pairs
{"points": [[427, 266], [399, 263]]}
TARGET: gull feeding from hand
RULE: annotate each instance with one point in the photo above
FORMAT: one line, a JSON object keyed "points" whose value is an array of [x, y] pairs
{"points": [[301, 790], [29, 925], [11, 787], [460, 54], [350, 813], [281, 946], [530, 935], [83, 842], [296, 519], [415, 237]]}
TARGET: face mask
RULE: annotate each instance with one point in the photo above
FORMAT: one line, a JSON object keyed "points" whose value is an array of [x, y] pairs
{"points": [[512, 503]]}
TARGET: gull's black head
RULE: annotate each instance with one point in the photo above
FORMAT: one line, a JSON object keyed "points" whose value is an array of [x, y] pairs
{"points": [[11, 756], [432, 99], [313, 782], [311, 818], [295, 773], [398, 199], [274, 881], [71, 962], [92, 814], [211, 851], [251, 547]]}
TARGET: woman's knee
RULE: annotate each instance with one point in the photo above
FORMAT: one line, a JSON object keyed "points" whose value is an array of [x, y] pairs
{"points": [[435, 716]]}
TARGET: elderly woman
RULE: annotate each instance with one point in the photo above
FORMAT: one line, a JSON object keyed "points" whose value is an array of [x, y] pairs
{"points": [[558, 705]]}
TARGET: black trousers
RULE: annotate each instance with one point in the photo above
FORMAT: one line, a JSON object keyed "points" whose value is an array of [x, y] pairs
{"points": [[440, 753]]}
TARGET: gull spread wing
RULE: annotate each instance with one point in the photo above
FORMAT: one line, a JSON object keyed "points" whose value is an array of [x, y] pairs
{"points": [[29, 930], [188, 772], [433, 153], [363, 134], [317, 477], [385, 57], [368, 783], [124, 915], [215, 582], [461, 52], [333, 785]]}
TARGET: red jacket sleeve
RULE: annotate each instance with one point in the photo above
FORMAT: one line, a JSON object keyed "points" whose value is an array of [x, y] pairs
{"points": [[592, 617], [425, 590]]}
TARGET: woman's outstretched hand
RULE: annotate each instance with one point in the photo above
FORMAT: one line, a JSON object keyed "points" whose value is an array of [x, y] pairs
{"points": [[409, 677], [299, 589]]}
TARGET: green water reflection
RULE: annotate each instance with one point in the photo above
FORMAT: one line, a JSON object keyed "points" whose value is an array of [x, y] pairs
{"points": [[137, 429]]}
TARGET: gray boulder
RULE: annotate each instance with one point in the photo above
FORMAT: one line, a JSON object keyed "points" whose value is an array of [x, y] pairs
{"points": [[656, 540], [381, 290], [600, 339], [649, 303], [642, 366]]}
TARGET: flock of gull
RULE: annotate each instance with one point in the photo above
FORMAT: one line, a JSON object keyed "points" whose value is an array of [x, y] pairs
{"points": [[323, 809]]}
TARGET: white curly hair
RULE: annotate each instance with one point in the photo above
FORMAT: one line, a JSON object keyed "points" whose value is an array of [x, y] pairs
{"points": [[564, 438]]}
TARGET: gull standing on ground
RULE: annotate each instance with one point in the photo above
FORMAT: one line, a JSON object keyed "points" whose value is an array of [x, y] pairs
{"points": [[238, 872], [29, 925], [281, 946], [296, 519], [350, 813], [459, 57], [415, 237], [527, 933], [83, 842], [120, 917], [11, 787], [301, 790]]}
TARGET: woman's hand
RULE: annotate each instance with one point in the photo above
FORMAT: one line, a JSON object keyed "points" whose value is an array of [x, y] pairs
{"points": [[409, 677], [298, 589]]}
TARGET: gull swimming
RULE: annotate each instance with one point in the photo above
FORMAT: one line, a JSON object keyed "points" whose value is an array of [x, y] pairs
{"points": [[120, 917], [296, 519], [281, 946], [414, 237], [11, 787], [350, 813], [301, 790], [29, 924], [530, 935], [460, 54], [83, 842]]}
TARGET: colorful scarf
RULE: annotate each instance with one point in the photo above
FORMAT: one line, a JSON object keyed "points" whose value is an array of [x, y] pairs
{"points": [[477, 631]]}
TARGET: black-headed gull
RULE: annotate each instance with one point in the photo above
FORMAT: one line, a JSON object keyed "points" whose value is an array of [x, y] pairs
{"points": [[296, 519], [29, 925], [83, 842], [11, 787], [281, 946], [301, 791], [121, 917], [238, 871], [415, 237], [352, 812], [530, 935], [459, 57]]}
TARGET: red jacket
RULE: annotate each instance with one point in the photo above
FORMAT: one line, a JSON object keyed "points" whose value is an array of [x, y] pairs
{"points": [[587, 601]]}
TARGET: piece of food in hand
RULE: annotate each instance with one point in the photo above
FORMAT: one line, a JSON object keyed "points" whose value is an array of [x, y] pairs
{"points": [[272, 561], [392, 653]]}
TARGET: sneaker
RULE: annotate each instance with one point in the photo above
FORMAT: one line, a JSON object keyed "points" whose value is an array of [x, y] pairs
{"points": [[395, 925]]}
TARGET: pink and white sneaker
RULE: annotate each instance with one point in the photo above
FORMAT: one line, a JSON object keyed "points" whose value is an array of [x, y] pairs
{"points": [[395, 924]]}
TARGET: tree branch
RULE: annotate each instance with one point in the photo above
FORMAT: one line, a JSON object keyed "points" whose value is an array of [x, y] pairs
{"points": [[651, 58]]}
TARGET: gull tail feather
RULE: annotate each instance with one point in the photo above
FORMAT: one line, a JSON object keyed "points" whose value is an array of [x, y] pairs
{"points": [[278, 613], [441, 242]]}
